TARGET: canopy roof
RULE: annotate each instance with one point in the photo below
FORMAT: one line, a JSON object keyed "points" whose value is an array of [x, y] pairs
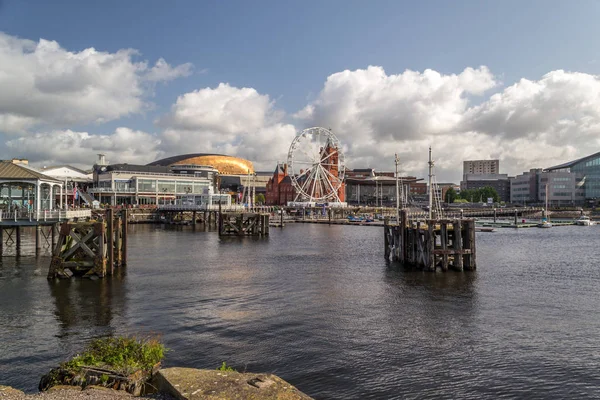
{"points": [[11, 171]]}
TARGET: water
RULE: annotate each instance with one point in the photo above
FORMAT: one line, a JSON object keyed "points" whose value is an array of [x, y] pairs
{"points": [[318, 306]]}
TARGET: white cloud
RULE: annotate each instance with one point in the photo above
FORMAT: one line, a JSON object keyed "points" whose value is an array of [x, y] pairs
{"points": [[229, 120], [530, 124], [81, 148], [376, 115], [42, 83], [162, 71]]}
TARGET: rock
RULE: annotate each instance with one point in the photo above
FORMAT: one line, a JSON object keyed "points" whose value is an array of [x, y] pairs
{"points": [[196, 384], [6, 392], [64, 387]]}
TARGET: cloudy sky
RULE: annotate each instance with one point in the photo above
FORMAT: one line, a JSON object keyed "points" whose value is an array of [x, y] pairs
{"points": [[140, 80]]}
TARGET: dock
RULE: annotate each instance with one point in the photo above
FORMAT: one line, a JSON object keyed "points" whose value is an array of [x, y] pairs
{"points": [[432, 243]]}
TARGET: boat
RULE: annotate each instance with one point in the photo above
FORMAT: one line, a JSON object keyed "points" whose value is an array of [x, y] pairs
{"points": [[584, 220], [545, 223]]}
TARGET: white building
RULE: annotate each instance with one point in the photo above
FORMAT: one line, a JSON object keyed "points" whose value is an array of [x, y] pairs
{"points": [[143, 184]]}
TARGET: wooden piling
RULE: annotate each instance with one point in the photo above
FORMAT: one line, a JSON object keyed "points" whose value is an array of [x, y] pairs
{"points": [[38, 239], [110, 240], [444, 243], [18, 230], [125, 228]]}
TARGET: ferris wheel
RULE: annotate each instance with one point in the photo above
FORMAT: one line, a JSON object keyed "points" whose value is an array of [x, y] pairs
{"points": [[316, 165]]}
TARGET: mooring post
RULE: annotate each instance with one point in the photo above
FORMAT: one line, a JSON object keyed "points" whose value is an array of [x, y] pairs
{"points": [[430, 245], [494, 215], [457, 244], [516, 218], [281, 220], [118, 241], [38, 239], [473, 259], [386, 241], [110, 241], [18, 229], [329, 215], [403, 235], [124, 226], [444, 242], [1, 240], [53, 235]]}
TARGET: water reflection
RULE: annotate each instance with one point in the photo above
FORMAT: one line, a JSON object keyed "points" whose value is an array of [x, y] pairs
{"points": [[89, 304]]}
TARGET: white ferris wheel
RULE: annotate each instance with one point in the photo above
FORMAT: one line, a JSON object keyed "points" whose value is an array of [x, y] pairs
{"points": [[316, 165]]}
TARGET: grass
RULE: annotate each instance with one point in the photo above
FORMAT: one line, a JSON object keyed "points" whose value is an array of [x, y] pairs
{"points": [[123, 355], [225, 367]]}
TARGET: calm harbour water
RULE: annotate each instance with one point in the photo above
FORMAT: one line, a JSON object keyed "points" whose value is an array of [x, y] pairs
{"points": [[318, 306]]}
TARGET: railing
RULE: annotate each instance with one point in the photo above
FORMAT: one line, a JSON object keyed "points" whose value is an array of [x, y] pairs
{"points": [[43, 215], [200, 207], [111, 190]]}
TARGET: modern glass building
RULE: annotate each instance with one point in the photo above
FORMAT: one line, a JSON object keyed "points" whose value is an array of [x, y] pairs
{"points": [[587, 174]]}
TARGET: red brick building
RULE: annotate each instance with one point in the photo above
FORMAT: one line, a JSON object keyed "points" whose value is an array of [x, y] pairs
{"points": [[279, 187]]}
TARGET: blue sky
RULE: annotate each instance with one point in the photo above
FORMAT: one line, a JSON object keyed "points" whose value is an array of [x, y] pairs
{"points": [[287, 50]]}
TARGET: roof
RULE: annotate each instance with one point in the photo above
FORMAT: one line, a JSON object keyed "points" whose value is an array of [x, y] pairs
{"points": [[8, 170], [181, 157], [65, 166], [572, 163], [138, 168]]}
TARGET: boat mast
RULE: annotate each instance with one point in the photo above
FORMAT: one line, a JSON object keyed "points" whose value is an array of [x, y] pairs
{"points": [[430, 182], [396, 160]]}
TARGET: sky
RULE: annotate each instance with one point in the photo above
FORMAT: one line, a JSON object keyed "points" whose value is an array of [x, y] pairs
{"points": [[140, 80]]}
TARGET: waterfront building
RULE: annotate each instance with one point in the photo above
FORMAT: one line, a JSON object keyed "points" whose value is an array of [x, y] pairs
{"points": [[499, 182], [379, 189], [564, 187], [481, 167], [225, 165], [586, 173], [279, 188], [151, 184], [25, 190]]}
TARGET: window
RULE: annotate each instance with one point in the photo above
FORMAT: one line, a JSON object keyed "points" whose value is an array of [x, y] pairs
{"points": [[146, 185]]}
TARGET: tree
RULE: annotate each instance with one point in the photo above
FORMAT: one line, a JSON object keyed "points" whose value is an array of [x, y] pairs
{"points": [[488, 192], [450, 195], [260, 198]]}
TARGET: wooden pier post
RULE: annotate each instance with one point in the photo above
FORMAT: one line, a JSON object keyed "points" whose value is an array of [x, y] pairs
{"points": [[110, 239], [430, 245], [125, 227], [444, 244], [516, 218], [494, 215], [386, 240], [53, 234], [329, 212], [457, 244], [1, 240], [38, 239], [18, 229]]}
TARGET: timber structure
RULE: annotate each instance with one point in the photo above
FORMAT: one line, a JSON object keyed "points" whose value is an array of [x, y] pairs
{"points": [[431, 243], [243, 224], [91, 248]]}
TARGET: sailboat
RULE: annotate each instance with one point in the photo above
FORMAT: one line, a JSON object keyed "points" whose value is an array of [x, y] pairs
{"points": [[545, 223]]}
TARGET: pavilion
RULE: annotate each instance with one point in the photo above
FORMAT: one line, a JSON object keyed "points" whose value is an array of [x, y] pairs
{"points": [[25, 190]]}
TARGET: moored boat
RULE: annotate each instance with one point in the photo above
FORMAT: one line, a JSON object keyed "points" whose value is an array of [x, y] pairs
{"points": [[584, 220]]}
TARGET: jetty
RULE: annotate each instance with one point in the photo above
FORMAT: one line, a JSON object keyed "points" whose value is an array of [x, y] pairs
{"points": [[432, 243], [92, 248]]}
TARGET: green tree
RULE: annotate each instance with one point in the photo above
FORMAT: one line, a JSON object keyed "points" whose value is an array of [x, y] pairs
{"points": [[260, 198], [450, 195], [488, 192]]}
